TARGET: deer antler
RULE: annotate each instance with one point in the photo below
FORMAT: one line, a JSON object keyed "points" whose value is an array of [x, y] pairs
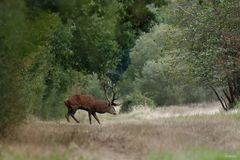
{"points": [[114, 95], [105, 92], [110, 85]]}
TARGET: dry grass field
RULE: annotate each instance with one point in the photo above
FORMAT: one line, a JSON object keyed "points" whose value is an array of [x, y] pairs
{"points": [[196, 132]]}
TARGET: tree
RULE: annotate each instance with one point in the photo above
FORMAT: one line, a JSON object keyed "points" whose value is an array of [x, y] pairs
{"points": [[212, 40], [136, 17], [13, 44], [159, 70], [65, 44]]}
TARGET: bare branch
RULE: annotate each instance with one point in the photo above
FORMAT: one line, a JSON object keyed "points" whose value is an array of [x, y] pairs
{"points": [[219, 98], [227, 96], [226, 107], [187, 12]]}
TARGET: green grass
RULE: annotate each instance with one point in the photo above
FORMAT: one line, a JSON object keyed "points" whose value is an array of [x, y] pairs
{"points": [[201, 154], [195, 155]]}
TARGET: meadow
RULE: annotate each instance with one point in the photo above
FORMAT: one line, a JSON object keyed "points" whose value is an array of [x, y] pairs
{"points": [[195, 132], [155, 53]]}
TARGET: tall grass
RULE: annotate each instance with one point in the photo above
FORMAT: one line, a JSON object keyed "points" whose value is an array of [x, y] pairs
{"points": [[144, 134], [11, 155]]}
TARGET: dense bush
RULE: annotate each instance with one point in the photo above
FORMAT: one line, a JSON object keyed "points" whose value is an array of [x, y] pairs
{"points": [[12, 109], [12, 47], [135, 99]]}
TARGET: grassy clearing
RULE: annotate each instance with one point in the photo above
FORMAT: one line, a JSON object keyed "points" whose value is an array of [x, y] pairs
{"points": [[197, 154], [143, 135]]}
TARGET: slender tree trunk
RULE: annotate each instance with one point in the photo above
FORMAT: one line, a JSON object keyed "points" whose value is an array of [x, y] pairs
{"points": [[221, 100]]}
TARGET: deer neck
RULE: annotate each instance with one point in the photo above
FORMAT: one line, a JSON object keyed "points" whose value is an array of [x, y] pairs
{"points": [[101, 106]]}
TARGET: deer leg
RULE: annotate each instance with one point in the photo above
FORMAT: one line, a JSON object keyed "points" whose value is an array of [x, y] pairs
{"points": [[90, 117], [95, 116], [67, 116], [72, 115]]}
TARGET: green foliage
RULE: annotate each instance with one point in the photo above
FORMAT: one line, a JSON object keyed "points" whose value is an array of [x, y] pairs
{"points": [[55, 44], [159, 70], [135, 99], [76, 39], [237, 105], [95, 25], [162, 40], [137, 16], [87, 84], [12, 47], [12, 108], [85, 42], [213, 43], [47, 67], [94, 44], [171, 49], [210, 38], [193, 47]]}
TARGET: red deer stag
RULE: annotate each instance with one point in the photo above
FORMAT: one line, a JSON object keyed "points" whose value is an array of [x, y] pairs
{"points": [[90, 104]]}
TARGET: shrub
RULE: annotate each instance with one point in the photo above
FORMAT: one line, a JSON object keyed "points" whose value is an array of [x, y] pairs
{"points": [[135, 99], [12, 108]]}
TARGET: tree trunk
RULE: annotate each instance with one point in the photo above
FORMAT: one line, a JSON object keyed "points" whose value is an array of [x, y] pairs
{"points": [[221, 100]]}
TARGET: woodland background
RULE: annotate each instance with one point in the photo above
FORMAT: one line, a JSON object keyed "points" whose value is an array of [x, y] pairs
{"points": [[157, 52]]}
